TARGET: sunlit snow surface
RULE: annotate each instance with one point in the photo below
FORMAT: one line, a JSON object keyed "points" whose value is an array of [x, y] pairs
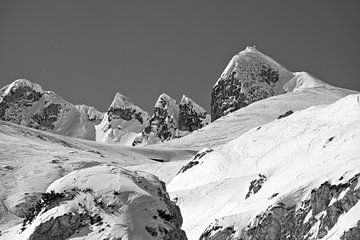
{"points": [[295, 154]]}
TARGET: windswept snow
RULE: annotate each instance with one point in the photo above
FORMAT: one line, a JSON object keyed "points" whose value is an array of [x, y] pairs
{"points": [[296, 154], [256, 114], [104, 202]]}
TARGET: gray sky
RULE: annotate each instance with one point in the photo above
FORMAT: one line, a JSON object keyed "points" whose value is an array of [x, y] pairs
{"points": [[87, 50]]}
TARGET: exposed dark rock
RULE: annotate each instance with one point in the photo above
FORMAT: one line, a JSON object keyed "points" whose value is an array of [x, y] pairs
{"points": [[47, 201], [162, 125], [194, 161], [47, 117], [190, 119], [294, 221], [124, 113], [17, 102], [243, 86], [288, 113], [352, 233], [255, 185], [218, 233], [152, 231], [62, 227]]}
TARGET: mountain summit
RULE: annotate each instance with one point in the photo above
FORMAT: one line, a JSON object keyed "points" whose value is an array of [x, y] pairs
{"points": [[249, 76], [171, 120], [122, 123]]}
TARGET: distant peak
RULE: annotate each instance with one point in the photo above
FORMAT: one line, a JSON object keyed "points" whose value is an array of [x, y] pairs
{"points": [[120, 101], [21, 83], [186, 100], [165, 99], [248, 56]]}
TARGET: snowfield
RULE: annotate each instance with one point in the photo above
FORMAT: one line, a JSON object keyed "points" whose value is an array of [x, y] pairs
{"points": [[104, 202], [281, 161], [296, 154]]}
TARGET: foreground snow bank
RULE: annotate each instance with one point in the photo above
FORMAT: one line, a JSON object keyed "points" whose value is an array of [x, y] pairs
{"points": [[102, 202]]}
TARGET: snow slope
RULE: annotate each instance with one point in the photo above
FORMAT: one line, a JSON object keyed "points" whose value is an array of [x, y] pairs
{"points": [[30, 160], [256, 114], [24, 102], [171, 120], [103, 202], [296, 161]]}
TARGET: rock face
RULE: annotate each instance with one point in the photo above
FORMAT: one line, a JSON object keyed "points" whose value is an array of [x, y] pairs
{"points": [[122, 122], [26, 103], [250, 76], [104, 202], [92, 113], [191, 116], [171, 120], [312, 218]]}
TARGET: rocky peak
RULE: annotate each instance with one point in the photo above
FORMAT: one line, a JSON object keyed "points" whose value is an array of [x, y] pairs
{"points": [[26, 103], [249, 76], [20, 85], [122, 108], [93, 115], [191, 115], [120, 101], [171, 120], [122, 121]]}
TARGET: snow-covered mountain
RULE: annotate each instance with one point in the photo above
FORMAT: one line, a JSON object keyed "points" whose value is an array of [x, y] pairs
{"points": [[191, 116], [103, 202], [92, 113], [122, 123], [26, 103], [249, 76], [294, 178], [279, 161], [171, 120]]}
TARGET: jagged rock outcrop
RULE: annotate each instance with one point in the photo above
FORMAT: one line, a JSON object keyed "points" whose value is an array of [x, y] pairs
{"points": [[312, 218], [250, 76], [103, 202], [122, 123], [92, 113], [26, 103], [191, 116], [255, 185], [171, 120]]}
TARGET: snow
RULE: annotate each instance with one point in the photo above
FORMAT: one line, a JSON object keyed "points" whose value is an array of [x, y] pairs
{"points": [[120, 130], [344, 223], [197, 108], [295, 148], [256, 114], [20, 83], [251, 54], [319, 142], [35, 159], [303, 80], [137, 201]]}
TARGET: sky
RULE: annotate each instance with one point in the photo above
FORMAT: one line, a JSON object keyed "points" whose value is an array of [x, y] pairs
{"points": [[86, 51]]}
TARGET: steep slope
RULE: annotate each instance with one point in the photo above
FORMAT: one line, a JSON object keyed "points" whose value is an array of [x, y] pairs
{"points": [[249, 76], [191, 116], [103, 202], [122, 122], [31, 160], [26, 103], [92, 113], [171, 120], [296, 178], [256, 114]]}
